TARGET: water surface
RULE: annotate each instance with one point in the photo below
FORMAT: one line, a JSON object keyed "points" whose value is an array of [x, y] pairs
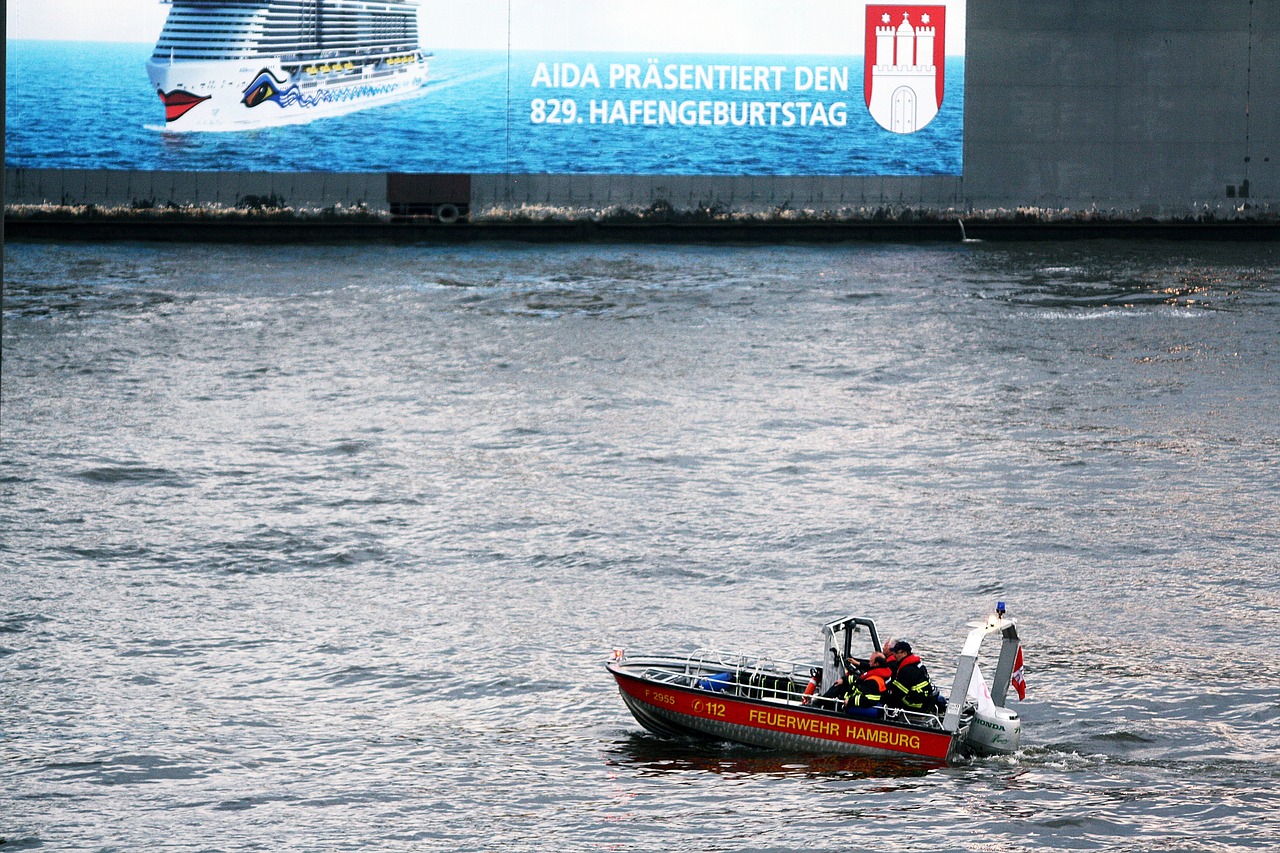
{"points": [[324, 549]]}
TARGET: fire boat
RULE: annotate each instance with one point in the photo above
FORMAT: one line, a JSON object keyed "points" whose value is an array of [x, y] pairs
{"points": [[762, 702]]}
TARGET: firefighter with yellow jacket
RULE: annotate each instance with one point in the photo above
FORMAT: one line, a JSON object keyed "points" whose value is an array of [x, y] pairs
{"points": [[910, 687]]}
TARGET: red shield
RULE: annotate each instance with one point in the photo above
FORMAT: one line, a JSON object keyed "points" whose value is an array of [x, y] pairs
{"points": [[905, 40]]}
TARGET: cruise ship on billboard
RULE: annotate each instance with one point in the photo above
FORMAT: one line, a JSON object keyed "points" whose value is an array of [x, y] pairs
{"points": [[241, 64]]}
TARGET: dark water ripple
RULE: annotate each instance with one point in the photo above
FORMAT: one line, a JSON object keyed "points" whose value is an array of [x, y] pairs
{"points": [[325, 552]]}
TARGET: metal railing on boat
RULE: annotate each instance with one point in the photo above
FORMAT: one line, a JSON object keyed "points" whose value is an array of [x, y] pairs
{"points": [[763, 678]]}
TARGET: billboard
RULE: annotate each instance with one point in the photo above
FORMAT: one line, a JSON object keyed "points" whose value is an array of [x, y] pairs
{"points": [[690, 87]]}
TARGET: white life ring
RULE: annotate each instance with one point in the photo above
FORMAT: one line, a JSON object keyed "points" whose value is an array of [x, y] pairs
{"points": [[447, 214]]}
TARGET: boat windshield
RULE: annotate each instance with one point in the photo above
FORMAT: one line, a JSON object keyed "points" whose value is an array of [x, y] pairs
{"points": [[853, 636]]}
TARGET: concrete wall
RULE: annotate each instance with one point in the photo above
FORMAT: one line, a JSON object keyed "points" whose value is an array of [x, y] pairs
{"points": [[1159, 104], [109, 188], [747, 194], [106, 188]]}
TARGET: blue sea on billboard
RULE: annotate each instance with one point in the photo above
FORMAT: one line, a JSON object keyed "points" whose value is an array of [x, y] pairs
{"points": [[89, 106]]}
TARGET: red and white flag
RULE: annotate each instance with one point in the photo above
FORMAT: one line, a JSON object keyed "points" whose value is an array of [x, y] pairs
{"points": [[1019, 682]]}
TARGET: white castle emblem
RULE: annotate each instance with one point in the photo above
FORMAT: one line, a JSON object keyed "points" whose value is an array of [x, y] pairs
{"points": [[904, 77]]}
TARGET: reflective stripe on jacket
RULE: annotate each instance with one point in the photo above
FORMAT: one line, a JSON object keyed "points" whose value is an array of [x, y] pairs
{"points": [[910, 686], [869, 690]]}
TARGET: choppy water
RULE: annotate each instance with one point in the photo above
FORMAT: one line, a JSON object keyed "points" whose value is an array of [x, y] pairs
{"points": [[325, 551]]}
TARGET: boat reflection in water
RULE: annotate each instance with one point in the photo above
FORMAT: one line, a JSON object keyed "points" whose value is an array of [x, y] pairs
{"points": [[651, 756]]}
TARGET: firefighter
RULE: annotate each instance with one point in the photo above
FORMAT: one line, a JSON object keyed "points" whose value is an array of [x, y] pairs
{"points": [[910, 687], [867, 690]]}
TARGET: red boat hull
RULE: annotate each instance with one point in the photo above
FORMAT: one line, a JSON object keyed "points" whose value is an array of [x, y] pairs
{"points": [[672, 709]]}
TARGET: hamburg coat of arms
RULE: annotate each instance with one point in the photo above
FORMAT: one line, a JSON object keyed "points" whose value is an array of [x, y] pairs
{"points": [[905, 65]]}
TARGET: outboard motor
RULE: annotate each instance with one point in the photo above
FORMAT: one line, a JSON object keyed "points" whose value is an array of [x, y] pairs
{"points": [[993, 729], [995, 732]]}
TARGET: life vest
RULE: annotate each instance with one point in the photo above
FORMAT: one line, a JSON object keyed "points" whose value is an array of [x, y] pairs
{"points": [[910, 686], [869, 689]]}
